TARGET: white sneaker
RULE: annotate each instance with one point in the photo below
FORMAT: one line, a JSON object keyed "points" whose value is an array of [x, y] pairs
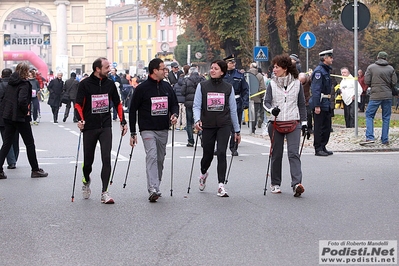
{"points": [[202, 180], [275, 189], [298, 190], [222, 191], [86, 191], [106, 198]]}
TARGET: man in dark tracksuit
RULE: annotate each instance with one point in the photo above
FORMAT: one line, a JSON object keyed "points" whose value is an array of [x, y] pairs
{"points": [[320, 103], [93, 103], [241, 91]]}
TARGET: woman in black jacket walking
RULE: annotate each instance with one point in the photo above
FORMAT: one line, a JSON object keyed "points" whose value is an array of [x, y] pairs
{"points": [[16, 114]]}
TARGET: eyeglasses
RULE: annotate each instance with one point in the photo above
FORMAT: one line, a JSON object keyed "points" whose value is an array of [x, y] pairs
{"points": [[232, 61], [163, 69]]}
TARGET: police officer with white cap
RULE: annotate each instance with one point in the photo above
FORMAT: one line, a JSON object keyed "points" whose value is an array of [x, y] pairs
{"points": [[320, 103]]}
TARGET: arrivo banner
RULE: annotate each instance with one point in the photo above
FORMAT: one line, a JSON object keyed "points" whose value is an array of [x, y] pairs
{"points": [[27, 40]]}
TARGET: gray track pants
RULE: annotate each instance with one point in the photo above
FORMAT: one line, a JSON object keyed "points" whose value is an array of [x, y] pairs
{"points": [[155, 149]]}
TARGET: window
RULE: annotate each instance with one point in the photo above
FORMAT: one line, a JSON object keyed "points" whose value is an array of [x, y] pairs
{"points": [[170, 20], [77, 51], [149, 32], [120, 59], [170, 35], [162, 35], [120, 33], [149, 55], [130, 32], [77, 14], [15, 26], [162, 20]]}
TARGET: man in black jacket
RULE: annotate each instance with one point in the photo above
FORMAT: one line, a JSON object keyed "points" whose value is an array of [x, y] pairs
{"points": [[157, 107], [93, 103], [71, 89]]}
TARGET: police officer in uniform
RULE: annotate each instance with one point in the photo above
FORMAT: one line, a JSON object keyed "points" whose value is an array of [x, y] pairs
{"points": [[241, 91], [320, 103]]}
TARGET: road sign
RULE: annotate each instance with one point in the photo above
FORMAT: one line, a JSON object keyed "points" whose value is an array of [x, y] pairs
{"points": [[307, 39], [261, 53], [347, 16], [114, 64]]}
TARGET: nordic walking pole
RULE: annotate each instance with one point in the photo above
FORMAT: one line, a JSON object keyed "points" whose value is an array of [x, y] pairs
{"points": [[231, 161], [270, 155], [128, 166], [303, 142], [116, 159], [192, 165], [171, 170], [76, 168]]}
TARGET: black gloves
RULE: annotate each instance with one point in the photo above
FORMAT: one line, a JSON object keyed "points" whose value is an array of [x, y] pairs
{"points": [[275, 111], [305, 131]]}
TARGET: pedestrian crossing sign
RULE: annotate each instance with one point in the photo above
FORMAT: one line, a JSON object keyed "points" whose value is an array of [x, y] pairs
{"points": [[261, 53]]}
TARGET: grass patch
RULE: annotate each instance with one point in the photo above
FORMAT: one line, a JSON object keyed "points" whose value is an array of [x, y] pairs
{"points": [[340, 120]]}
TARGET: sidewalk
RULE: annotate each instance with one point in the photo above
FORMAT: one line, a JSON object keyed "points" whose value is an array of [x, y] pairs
{"points": [[344, 139], [394, 115]]}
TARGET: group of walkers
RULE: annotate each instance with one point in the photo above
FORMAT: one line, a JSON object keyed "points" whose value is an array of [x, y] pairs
{"points": [[213, 108]]}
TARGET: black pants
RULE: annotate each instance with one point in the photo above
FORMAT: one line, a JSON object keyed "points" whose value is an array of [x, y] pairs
{"points": [[322, 129], [349, 115], [309, 117], [232, 132], [209, 136], [90, 138], [68, 109], [25, 131], [54, 110]]}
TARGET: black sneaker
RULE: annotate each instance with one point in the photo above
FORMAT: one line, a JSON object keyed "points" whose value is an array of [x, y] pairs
{"points": [[39, 173], [153, 197], [11, 166], [234, 153], [190, 144], [63, 120], [3, 175]]}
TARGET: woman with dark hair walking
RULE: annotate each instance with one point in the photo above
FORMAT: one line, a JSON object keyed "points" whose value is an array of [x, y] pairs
{"points": [[215, 111], [285, 100]]}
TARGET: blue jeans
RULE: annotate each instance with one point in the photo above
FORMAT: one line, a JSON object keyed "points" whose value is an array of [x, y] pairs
{"points": [[386, 117], [189, 124]]}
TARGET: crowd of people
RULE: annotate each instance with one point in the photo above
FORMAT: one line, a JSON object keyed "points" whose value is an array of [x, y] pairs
{"points": [[292, 104]]}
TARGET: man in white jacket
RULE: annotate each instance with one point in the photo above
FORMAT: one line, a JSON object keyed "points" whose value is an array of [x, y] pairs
{"points": [[347, 87]]}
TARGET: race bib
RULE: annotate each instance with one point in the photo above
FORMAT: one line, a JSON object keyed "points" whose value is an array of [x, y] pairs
{"points": [[99, 104], [159, 105], [34, 93], [215, 101]]}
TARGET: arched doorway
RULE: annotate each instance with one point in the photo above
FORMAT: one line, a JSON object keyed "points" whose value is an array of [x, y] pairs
{"points": [[77, 32]]}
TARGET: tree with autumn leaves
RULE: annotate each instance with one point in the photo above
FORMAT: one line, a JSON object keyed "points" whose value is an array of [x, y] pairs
{"points": [[227, 27]]}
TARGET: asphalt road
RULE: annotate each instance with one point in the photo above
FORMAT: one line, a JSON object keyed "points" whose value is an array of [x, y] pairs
{"points": [[348, 196]]}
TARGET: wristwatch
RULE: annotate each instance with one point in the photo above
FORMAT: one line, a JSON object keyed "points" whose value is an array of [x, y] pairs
{"points": [[238, 133]]}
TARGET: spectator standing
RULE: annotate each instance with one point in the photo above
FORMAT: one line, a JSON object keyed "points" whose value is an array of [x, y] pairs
{"points": [[174, 74], [157, 107], [241, 91], [347, 88], [118, 83], [55, 88], [188, 90], [93, 104], [12, 155], [381, 77], [16, 115], [181, 121], [297, 63], [71, 89], [364, 96], [306, 83], [35, 105], [320, 103], [258, 100]]}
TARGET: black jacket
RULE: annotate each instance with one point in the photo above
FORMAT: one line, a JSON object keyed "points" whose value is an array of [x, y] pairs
{"points": [[16, 100], [55, 88], [71, 88], [189, 87], [93, 102], [145, 98]]}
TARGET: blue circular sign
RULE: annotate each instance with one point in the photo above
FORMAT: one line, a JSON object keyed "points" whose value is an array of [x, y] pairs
{"points": [[114, 64], [307, 39]]}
